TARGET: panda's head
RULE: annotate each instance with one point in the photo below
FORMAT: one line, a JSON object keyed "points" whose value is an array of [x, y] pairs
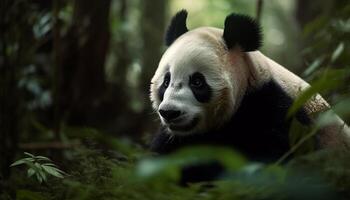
{"points": [[203, 75]]}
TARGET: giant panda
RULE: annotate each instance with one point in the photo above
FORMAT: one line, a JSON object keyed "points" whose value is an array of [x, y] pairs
{"points": [[214, 87]]}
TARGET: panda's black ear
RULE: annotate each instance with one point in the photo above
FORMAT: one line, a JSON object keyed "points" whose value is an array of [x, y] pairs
{"points": [[177, 27], [243, 31]]}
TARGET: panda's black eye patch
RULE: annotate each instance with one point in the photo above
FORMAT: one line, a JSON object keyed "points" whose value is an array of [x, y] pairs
{"points": [[166, 80], [197, 80], [164, 86], [200, 89]]}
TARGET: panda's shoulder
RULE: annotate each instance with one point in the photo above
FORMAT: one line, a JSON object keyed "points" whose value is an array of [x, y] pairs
{"points": [[265, 109], [270, 96]]}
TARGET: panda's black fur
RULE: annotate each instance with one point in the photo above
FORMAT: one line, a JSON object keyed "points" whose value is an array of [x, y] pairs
{"points": [[242, 30], [176, 28]]}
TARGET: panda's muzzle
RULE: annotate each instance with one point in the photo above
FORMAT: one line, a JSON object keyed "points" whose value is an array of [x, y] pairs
{"points": [[184, 127], [170, 115], [176, 120]]}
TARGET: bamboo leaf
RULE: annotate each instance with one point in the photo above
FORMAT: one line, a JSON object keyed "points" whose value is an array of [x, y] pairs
{"points": [[171, 165], [43, 175], [18, 162], [37, 166], [29, 154], [49, 164], [53, 171], [330, 80], [30, 172], [22, 161], [42, 158], [337, 52], [313, 66], [38, 177]]}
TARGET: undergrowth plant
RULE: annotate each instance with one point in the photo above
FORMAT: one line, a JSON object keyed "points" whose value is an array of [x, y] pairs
{"points": [[39, 167]]}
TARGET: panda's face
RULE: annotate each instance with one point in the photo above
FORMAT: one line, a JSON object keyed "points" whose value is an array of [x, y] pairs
{"points": [[192, 91], [204, 74]]}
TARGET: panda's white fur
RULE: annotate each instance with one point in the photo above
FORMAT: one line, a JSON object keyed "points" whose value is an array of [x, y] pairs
{"points": [[230, 74], [265, 69]]}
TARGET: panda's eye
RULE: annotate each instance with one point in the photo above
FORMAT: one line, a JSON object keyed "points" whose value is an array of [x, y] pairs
{"points": [[166, 80], [197, 80]]}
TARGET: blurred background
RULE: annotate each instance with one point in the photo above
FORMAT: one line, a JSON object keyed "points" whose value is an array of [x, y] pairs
{"points": [[70, 69]]}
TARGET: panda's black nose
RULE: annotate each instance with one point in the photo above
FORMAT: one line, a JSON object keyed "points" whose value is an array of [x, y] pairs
{"points": [[169, 114]]}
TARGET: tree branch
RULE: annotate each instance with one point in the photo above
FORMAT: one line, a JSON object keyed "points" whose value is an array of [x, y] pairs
{"points": [[259, 5], [48, 145]]}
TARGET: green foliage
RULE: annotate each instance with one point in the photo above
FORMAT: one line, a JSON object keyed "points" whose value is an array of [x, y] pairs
{"points": [[329, 80], [328, 41], [300, 140], [170, 166], [327, 69], [95, 175], [125, 147], [29, 195], [39, 167], [329, 165]]}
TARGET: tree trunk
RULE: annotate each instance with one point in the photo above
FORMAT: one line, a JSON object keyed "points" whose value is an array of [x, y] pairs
{"points": [[83, 53], [307, 10], [153, 25], [9, 106], [9, 93]]}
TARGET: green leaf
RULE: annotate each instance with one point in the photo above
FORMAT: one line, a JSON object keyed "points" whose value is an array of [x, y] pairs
{"points": [[31, 164], [29, 154], [170, 166], [37, 166], [60, 171], [297, 132], [54, 167], [22, 161], [43, 175], [277, 171], [18, 162], [314, 65], [341, 109], [31, 160], [165, 168], [50, 164], [329, 80], [42, 158], [337, 52], [326, 118], [30, 172], [38, 177], [53, 171], [252, 169]]}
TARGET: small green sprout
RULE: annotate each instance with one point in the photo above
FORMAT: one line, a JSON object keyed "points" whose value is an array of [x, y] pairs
{"points": [[39, 167]]}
